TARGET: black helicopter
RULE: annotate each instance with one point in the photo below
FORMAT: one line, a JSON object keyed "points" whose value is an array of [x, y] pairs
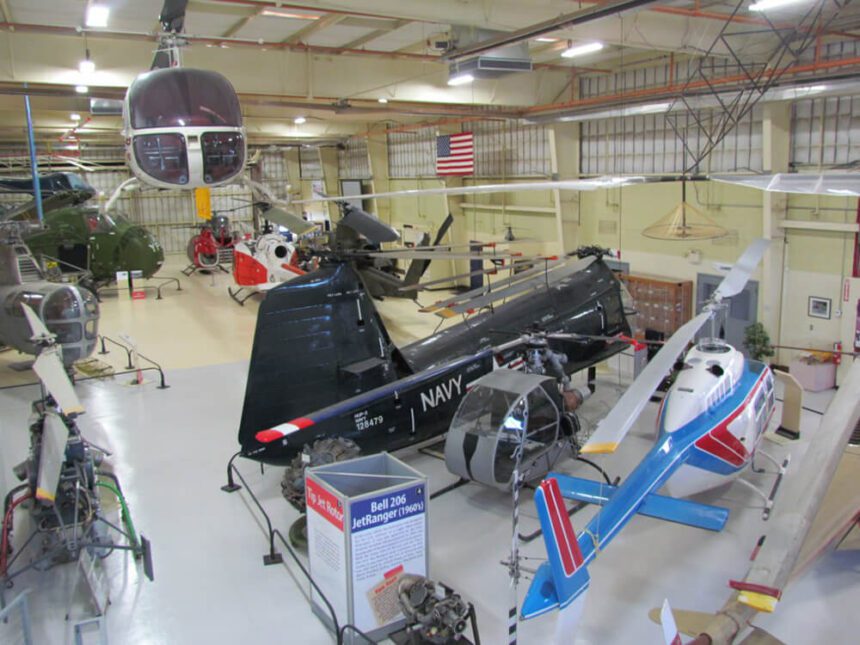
{"points": [[325, 375]]}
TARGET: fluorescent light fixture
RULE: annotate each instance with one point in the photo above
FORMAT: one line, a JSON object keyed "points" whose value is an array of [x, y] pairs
{"points": [[767, 5], [460, 79], [74, 116], [299, 120], [86, 67], [81, 89], [546, 39], [383, 100], [280, 13], [97, 15], [650, 108], [581, 50]]}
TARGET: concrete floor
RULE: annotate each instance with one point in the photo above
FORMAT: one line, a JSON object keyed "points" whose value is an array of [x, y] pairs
{"points": [[171, 448]]}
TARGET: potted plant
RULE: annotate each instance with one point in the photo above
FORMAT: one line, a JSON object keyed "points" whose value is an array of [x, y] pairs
{"points": [[757, 342]]}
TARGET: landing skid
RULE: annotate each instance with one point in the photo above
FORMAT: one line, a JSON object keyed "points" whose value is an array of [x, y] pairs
{"points": [[239, 297], [767, 498], [192, 268]]}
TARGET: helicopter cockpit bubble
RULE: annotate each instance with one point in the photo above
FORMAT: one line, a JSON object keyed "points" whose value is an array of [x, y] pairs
{"points": [[183, 128], [508, 420]]}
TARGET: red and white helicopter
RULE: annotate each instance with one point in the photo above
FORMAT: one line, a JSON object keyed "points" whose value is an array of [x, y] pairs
{"points": [[262, 264]]}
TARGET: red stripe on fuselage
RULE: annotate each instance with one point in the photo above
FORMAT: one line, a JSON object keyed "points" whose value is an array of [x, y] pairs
{"points": [[721, 443]]}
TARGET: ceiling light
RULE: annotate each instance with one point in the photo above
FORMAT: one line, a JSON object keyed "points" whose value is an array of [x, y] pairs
{"points": [[97, 16], [546, 39], [86, 67], [74, 116], [299, 120], [581, 50], [383, 100], [767, 5], [81, 89], [460, 79], [278, 13]]}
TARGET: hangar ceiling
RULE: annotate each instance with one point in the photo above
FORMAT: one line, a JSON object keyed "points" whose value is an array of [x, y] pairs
{"points": [[350, 67]]}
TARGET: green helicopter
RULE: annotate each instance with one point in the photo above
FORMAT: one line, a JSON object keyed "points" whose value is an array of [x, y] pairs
{"points": [[80, 236]]}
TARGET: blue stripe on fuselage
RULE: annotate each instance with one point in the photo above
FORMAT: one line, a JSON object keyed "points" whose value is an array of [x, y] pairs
{"points": [[669, 452]]}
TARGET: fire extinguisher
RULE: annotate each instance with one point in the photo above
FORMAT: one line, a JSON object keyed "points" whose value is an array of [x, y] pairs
{"points": [[837, 353]]}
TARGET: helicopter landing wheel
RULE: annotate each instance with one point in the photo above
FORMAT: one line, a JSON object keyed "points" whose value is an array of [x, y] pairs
{"points": [[299, 533]]}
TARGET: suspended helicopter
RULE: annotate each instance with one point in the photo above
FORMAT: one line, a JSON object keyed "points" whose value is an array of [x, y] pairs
{"points": [[61, 478], [182, 127], [710, 424], [81, 237], [69, 312]]}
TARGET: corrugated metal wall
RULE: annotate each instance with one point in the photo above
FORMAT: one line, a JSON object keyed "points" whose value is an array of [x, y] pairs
{"points": [[646, 144], [274, 175], [510, 149], [825, 131], [412, 154], [309, 163], [353, 160]]}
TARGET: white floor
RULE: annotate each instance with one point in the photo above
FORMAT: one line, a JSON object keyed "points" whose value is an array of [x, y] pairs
{"points": [[211, 586]]}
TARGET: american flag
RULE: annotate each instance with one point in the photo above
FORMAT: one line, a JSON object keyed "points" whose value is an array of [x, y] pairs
{"points": [[455, 154]]}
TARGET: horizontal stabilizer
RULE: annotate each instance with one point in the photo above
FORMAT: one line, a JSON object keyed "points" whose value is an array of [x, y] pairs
{"points": [[661, 507]]}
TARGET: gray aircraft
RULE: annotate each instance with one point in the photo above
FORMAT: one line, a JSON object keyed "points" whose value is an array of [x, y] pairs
{"points": [[70, 312]]}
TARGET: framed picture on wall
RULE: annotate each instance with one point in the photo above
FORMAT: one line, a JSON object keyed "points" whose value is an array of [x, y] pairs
{"points": [[819, 307]]}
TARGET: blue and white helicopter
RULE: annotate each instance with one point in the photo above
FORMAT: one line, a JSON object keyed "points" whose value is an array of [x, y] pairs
{"points": [[710, 424]]}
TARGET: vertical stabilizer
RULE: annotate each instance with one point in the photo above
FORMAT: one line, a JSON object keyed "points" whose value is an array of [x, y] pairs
{"points": [[563, 577]]}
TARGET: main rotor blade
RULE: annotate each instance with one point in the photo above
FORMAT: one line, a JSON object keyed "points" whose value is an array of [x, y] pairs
{"points": [[573, 184], [49, 368], [615, 425], [286, 219], [846, 184], [423, 286], [55, 436], [411, 254], [740, 273], [36, 325]]}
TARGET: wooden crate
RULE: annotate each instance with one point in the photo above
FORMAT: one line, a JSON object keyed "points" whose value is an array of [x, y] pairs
{"points": [[663, 304]]}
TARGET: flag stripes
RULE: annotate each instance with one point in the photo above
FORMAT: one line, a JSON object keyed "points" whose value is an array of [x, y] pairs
{"points": [[455, 154]]}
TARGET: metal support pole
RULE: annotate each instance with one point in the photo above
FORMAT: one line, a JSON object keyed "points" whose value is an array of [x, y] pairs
{"points": [[34, 166]]}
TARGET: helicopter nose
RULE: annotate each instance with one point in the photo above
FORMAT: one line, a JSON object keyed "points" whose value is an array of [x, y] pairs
{"points": [[140, 251]]}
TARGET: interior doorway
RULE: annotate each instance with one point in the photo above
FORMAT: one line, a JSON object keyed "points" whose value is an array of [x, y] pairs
{"points": [[742, 309]]}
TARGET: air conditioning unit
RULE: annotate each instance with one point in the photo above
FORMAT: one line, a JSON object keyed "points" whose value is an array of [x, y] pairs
{"points": [[492, 64]]}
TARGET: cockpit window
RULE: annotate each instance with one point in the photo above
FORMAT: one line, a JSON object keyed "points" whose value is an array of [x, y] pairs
{"points": [[182, 97], [484, 410], [98, 222]]}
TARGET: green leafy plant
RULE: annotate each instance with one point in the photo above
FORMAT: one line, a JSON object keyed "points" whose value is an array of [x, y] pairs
{"points": [[757, 342]]}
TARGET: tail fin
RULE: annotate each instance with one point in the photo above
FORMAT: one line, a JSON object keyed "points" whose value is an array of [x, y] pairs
{"points": [[417, 268], [563, 577], [670, 629]]}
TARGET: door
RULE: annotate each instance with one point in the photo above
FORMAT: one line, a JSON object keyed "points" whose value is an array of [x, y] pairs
{"points": [[742, 309]]}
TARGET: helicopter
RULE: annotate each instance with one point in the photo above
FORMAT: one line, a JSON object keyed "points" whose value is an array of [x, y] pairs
{"points": [[182, 127], [710, 425], [82, 237], [69, 312]]}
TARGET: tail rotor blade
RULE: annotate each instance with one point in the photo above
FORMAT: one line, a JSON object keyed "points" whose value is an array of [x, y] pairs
{"points": [[49, 367]]}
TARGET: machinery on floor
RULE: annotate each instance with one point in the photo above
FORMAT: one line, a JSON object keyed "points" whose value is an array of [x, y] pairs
{"points": [[68, 311], [63, 478]]}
